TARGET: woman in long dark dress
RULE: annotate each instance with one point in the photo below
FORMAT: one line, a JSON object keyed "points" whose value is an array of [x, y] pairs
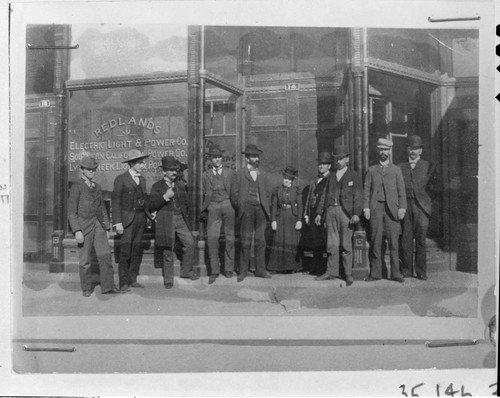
{"points": [[286, 210]]}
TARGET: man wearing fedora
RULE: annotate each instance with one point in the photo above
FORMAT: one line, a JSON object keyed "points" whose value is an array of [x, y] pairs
{"points": [[417, 174], [250, 196], [169, 201], [316, 228], [384, 205], [340, 206], [129, 205], [217, 207], [88, 219]]}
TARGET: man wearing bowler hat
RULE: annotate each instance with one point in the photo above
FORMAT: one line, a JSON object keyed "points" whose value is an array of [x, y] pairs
{"points": [[314, 192], [417, 174], [384, 205], [169, 200], [250, 196], [218, 210], [340, 206], [129, 205], [88, 219]]}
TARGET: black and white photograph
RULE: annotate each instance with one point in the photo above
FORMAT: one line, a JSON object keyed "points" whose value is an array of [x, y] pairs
{"points": [[247, 198]]}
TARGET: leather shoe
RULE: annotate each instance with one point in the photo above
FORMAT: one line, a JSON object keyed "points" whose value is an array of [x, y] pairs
{"points": [[399, 279], [349, 280], [324, 277], [86, 293], [125, 289], [193, 277], [212, 278], [137, 284], [422, 277], [371, 279], [112, 291], [229, 274], [241, 277], [265, 276], [168, 285]]}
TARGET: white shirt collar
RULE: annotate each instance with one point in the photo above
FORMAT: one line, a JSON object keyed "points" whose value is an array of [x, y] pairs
{"points": [[340, 173]]}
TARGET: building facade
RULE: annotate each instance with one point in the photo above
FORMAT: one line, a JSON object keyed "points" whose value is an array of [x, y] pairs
{"points": [[293, 91]]}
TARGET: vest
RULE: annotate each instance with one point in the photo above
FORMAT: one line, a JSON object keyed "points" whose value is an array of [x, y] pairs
{"points": [[219, 192], [253, 193]]}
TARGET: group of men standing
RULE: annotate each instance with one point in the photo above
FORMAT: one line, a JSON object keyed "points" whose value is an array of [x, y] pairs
{"points": [[392, 198]]}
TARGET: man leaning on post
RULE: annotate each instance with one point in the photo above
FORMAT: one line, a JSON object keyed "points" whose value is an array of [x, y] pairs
{"points": [[88, 219]]}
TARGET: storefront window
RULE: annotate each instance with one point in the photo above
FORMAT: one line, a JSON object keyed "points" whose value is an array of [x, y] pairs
{"points": [[107, 123]]}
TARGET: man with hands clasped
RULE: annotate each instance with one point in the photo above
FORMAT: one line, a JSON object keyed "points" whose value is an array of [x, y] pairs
{"points": [[384, 205], [340, 207], [88, 219]]}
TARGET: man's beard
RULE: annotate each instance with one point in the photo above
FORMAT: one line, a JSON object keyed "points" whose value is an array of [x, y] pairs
{"points": [[384, 157], [254, 163]]}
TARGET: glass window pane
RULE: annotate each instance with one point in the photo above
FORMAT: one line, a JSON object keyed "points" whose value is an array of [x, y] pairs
{"points": [[107, 123]]}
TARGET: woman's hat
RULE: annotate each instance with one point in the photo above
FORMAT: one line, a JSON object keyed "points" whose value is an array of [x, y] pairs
{"points": [[290, 172], [252, 150], [134, 154], [169, 163], [88, 162]]}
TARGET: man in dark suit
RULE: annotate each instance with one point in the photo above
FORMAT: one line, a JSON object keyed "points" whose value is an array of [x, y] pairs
{"points": [[88, 219], [340, 206], [129, 204], [416, 174], [384, 205], [218, 211], [317, 230], [169, 201], [250, 195]]}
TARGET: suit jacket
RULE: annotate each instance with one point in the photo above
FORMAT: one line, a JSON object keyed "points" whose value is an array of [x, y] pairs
{"points": [[164, 228], [390, 179], [312, 201], [85, 205], [207, 183], [125, 198], [294, 199], [350, 195], [419, 176], [240, 188]]}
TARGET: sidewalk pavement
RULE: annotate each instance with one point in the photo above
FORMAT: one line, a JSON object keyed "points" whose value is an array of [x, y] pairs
{"points": [[444, 294]]}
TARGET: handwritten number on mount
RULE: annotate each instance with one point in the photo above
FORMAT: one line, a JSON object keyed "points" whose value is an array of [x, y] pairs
{"points": [[413, 393], [493, 385]]}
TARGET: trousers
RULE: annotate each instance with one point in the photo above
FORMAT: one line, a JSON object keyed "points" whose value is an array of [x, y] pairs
{"points": [[339, 241], [253, 223], [220, 214], [97, 238], [130, 259], [383, 224], [415, 225], [185, 236]]}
